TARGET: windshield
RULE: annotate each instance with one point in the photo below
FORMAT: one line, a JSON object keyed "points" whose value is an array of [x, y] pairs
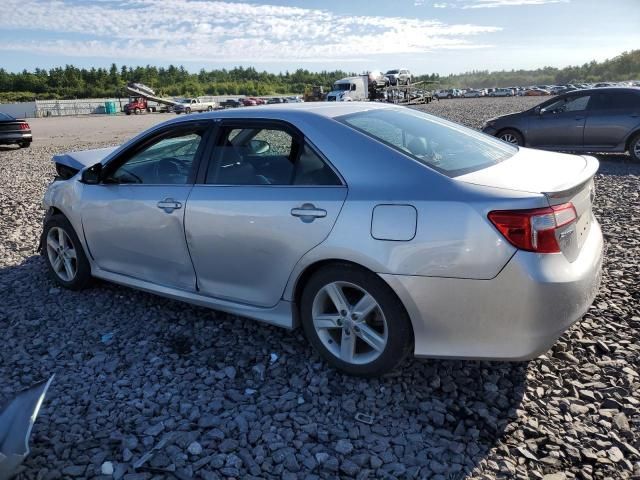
{"points": [[185, 100], [393, 72], [342, 86], [444, 146]]}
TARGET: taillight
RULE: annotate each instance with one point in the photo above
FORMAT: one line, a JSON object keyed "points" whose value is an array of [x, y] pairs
{"points": [[24, 126], [534, 230]]}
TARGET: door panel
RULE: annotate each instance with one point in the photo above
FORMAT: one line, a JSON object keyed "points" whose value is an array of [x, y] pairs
{"points": [[128, 233], [560, 123], [612, 116], [246, 240], [556, 129]]}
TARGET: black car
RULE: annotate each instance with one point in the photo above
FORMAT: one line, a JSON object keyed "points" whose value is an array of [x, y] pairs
{"points": [[231, 103], [14, 131], [593, 120]]}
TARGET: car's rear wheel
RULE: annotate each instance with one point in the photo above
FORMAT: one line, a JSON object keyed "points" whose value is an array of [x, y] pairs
{"points": [[511, 136], [355, 321], [66, 260], [634, 148]]}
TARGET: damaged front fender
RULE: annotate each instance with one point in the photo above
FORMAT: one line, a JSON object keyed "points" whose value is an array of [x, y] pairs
{"points": [[17, 417]]}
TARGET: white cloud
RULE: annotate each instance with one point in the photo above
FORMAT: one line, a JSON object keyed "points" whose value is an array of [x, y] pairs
{"points": [[200, 30], [466, 4]]}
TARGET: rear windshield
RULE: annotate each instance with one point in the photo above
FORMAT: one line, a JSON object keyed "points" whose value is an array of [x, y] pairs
{"points": [[447, 147], [4, 116]]}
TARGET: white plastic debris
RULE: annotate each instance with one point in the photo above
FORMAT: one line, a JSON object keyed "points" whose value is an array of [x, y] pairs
{"points": [[107, 468]]}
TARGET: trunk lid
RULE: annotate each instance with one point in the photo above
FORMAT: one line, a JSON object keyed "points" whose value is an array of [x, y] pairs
{"points": [[560, 177]]}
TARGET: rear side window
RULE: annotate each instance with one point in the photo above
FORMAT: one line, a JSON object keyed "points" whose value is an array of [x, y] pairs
{"points": [[449, 148], [266, 156], [616, 101]]}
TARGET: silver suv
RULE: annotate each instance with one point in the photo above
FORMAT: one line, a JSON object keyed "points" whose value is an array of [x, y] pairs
{"points": [[399, 76]]}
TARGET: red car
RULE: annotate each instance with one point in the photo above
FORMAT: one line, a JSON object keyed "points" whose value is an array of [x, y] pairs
{"points": [[249, 102]]}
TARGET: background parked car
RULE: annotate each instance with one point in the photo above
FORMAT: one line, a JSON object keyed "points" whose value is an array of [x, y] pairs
{"points": [[14, 131], [593, 120], [231, 103], [536, 92], [378, 79], [472, 94], [502, 92], [399, 76], [451, 93]]}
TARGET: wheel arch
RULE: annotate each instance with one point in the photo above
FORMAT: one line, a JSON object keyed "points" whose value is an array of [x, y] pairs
{"points": [[515, 129], [630, 137], [309, 270]]}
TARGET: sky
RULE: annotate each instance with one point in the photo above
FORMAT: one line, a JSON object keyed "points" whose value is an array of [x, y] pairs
{"points": [[425, 36]]}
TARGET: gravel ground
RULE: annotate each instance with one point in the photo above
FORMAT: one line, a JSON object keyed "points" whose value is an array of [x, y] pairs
{"points": [[185, 392]]}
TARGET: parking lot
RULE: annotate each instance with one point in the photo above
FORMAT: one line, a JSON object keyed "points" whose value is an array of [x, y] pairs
{"points": [[212, 395]]}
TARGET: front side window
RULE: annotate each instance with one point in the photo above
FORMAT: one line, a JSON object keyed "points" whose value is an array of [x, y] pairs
{"points": [[266, 156], [568, 104], [444, 146], [166, 161]]}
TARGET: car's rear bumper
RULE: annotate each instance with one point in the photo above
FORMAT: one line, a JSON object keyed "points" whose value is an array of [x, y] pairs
{"points": [[7, 138], [517, 315]]}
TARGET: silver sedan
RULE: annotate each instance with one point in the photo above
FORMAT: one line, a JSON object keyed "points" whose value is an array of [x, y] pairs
{"points": [[382, 230]]}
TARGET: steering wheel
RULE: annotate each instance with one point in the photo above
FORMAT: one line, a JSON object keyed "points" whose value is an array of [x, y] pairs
{"points": [[167, 168]]}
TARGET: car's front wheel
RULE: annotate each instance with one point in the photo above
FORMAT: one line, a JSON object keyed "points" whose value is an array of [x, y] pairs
{"points": [[66, 260], [634, 148], [511, 136], [355, 321]]}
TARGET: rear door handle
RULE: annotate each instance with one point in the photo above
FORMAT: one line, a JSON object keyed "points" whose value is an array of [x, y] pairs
{"points": [[169, 205], [308, 212]]}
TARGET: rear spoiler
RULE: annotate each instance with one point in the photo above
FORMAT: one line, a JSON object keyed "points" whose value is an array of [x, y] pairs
{"points": [[568, 189]]}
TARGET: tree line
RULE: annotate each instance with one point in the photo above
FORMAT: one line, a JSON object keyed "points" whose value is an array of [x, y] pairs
{"points": [[623, 67], [174, 81]]}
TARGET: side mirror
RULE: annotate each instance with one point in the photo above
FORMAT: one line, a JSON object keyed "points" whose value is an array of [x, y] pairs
{"points": [[539, 111], [259, 147], [92, 175]]}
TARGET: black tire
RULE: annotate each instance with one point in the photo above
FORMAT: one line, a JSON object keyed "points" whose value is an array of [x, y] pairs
{"points": [[519, 139], [24, 144], [187, 110], [399, 341], [209, 108], [634, 148], [82, 278], [137, 111], [449, 96]]}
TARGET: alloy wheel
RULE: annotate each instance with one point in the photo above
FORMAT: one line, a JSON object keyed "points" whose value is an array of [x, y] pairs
{"points": [[349, 322], [509, 138], [62, 254]]}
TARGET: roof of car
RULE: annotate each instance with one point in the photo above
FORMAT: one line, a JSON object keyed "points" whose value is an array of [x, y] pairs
{"points": [[325, 109], [607, 89]]}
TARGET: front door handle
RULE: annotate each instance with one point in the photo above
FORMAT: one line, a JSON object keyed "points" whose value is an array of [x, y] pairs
{"points": [[308, 212], [169, 205]]}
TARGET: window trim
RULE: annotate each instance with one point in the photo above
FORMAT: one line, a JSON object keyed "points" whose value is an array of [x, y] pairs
{"points": [[208, 159], [158, 134]]}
